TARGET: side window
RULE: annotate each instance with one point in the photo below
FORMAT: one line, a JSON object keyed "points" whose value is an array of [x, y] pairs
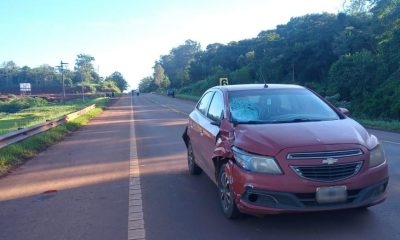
{"points": [[216, 107], [203, 104]]}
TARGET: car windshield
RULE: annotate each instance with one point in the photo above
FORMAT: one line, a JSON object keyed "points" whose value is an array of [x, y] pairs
{"points": [[278, 106]]}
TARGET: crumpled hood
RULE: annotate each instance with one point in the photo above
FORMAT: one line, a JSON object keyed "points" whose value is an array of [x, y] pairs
{"points": [[270, 139]]}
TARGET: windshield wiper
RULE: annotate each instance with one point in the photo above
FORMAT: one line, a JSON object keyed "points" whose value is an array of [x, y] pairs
{"points": [[251, 122], [296, 120]]}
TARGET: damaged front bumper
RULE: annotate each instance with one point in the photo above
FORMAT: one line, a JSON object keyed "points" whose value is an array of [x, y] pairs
{"points": [[276, 196]]}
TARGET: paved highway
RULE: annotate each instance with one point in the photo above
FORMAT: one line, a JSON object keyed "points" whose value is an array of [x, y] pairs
{"points": [[97, 191], [77, 189]]}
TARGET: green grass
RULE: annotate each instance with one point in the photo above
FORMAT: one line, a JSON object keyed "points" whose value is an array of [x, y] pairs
{"points": [[15, 154], [35, 115], [188, 97], [381, 124]]}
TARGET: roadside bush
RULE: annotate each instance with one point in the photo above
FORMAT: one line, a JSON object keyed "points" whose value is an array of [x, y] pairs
{"points": [[335, 101], [108, 86], [17, 104], [198, 88]]}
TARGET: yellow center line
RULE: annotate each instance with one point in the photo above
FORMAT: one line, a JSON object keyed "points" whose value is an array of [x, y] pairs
{"points": [[169, 107]]}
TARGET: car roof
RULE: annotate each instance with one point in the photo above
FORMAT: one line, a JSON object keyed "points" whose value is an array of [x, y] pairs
{"points": [[240, 87]]}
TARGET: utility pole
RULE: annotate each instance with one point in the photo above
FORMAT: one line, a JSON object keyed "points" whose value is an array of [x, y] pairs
{"points": [[61, 67], [83, 91]]}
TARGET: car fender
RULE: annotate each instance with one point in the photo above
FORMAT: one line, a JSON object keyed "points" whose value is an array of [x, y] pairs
{"points": [[224, 141], [223, 146]]}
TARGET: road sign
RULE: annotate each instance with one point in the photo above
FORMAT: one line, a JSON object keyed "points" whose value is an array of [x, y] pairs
{"points": [[223, 81], [25, 87]]}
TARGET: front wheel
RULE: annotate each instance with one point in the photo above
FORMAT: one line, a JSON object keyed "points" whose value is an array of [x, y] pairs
{"points": [[194, 169], [226, 197]]}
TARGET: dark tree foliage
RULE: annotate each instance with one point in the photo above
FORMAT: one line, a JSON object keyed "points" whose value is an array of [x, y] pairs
{"points": [[356, 76], [176, 64], [353, 56], [147, 84]]}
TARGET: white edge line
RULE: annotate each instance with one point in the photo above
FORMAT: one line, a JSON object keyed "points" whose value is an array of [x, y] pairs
{"points": [[136, 228]]}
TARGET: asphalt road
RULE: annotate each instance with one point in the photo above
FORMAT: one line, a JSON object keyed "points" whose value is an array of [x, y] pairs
{"points": [[81, 188], [77, 189]]}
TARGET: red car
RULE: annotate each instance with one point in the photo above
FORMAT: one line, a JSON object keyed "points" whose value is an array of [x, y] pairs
{"points": [[283, 148]]}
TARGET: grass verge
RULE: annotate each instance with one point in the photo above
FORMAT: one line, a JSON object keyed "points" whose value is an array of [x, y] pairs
{"points": [[381, 124], [188, 97], [17, 153], [36, 115]]}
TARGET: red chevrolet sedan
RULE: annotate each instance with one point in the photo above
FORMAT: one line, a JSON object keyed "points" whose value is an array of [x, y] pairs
{"points": [[283, 148]]}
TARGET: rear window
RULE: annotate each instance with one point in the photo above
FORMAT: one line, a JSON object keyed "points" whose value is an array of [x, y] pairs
{"points": [[278, 106]]}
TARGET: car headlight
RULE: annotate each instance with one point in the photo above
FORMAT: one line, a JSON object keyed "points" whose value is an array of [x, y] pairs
{"points": [[256, 163], [376, 157]]}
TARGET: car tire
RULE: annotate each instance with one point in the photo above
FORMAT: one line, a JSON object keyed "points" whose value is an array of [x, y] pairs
{"points": [[226, 199], [194, 169]]}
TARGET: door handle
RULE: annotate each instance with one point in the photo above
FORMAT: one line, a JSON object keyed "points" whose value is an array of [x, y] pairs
{"points": [[201, 132]]}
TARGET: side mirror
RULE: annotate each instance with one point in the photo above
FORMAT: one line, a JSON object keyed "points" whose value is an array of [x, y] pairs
{"points": [[345, 111]]}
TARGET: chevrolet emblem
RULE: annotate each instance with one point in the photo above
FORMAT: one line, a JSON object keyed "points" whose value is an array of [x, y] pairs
{"points": [[329, 161]]}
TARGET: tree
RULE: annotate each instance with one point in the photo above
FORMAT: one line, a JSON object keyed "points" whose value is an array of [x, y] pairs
{"points": [[158, 75], [9, 71], [356, 33], [387, 22], [385, 103], [119, 80], [177, 63], [84, 65], [147, 84], [47, 79], [109, 86], [46, 76], [356, 76], [357, 7], [165, 83]]}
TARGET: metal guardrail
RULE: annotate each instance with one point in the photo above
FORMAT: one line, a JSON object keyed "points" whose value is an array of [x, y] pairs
{"points": [[21, 134]]}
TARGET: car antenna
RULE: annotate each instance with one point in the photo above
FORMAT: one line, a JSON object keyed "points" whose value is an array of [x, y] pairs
{"points": [[265, 82]]}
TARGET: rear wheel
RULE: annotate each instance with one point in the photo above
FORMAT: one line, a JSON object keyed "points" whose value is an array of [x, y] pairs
{"points": [[194, 169], [226, 197]]}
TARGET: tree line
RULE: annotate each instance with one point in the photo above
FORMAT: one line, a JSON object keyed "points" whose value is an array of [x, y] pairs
{"points": [[352, 58], [48, 79]]}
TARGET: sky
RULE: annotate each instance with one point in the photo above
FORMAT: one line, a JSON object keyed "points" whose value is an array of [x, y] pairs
{"points": [[130, 35]]}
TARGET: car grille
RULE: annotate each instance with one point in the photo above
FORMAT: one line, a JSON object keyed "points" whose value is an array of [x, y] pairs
{"points": [[328, 173], [328, 154]]}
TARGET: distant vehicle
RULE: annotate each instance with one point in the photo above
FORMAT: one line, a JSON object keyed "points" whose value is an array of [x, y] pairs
{"points": [[171, 93], [135, 92], [282, 148]]}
